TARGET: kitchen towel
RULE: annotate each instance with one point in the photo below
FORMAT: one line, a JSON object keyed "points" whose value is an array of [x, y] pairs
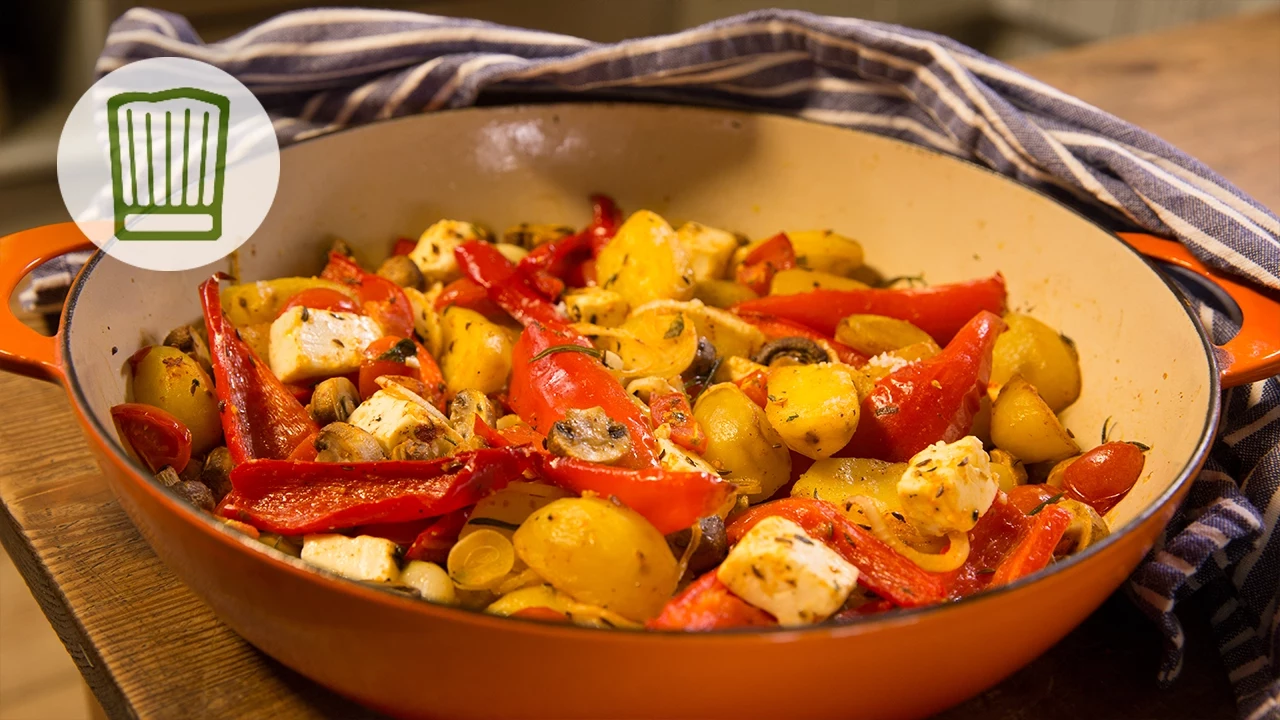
{"points": [[319, 71]]}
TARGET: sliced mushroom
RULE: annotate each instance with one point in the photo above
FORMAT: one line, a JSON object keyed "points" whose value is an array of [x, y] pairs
{"points": [[464, 408], [195, 493], [712, 547], [589, 435], [333, 401], [415, 450], [340, 442], [216, 473], [402, 271], [188, 340], [792, 351]]}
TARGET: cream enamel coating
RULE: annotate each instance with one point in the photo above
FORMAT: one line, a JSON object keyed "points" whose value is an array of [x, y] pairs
{"points": [[1143, 360]]}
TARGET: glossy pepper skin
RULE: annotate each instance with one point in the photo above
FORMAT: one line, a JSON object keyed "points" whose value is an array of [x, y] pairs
{"points": [[437, 539], [768, 259], [486, 267], [380, 298], [940, 310], [928, 401], [296, 498], [775, 327], [707, 604], [261, 419], [670, 500], [880, 569], [543, 389], [1008, 544]]}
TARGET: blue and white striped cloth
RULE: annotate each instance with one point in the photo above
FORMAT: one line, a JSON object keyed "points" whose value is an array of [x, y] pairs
{"points": [[320, 71]]}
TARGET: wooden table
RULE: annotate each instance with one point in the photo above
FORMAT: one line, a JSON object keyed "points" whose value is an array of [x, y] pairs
{"points": [[149, 648]]}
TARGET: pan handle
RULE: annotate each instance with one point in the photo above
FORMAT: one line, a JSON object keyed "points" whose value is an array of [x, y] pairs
{"points": [[23, 350], [1255, 350]]}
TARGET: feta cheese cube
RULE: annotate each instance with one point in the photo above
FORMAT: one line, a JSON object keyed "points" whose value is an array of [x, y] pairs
{"points": [[359, 558], [947, 487], [392, 417], [308, 343], [434, 253], [780, 569]]}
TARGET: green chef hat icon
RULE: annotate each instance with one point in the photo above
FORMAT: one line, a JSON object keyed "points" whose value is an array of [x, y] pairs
{"points": [[168, 158]]}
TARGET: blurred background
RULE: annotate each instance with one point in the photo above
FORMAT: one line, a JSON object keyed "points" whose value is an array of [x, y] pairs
{"points": [[47, 50]]}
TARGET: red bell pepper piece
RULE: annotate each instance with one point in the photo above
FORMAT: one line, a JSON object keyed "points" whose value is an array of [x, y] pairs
{"points": [[388, 355], [928, 401], [756, 387], [435, 541], [342, 268], [306, 450], [465, 293], [1034, 551], [295, 498], [481, 262], [1102, 476], [673, 409], [511, 437], [301, 393], [403, 246], [321, 299], [155, 436], [775, 327], [669, 499], [991, 540], [550, 265], [380, 298], [1028, 497], [549, 376], [261, 419], [765, 261], [707, 604], [880, 569], [940, 310]]}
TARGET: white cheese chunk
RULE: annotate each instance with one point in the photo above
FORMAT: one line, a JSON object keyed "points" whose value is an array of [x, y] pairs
{"points": [[780, 569], [434, 252], [947, 487], [391, 418], [359, 558], [307, 344]]}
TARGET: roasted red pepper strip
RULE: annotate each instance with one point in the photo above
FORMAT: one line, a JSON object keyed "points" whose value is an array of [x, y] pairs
{"points": [[940, 310], [775, 327], [990, 542], [928, 401], [380, 299], [673, 409], [465, 293], [551, 265], [765, 261], [306, 449], [481, 262], [708, 605], [295, 498], [549, 376], [880, 569], [1035, 549], [261, 419], [321, 299], [433, 543], [515, 435], [670, 500]]}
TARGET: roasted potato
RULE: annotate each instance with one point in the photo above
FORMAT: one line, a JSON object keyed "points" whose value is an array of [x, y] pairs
{"points": [[646, 261], [260, 302], [434, 253], [596, 306], [838, 479], [722, 293], [477, 352], [659, 341], [799, 280], [1022, 424], [601, 554], [258, 337], [1042, 356], [171, 380], [821, 250], [709, 250], [426, 319], [813, 407], [729, 334], [741, 444], [875, 334]]}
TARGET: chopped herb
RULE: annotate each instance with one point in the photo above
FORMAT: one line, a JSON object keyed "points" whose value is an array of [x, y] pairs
{"points": [[987, 571], [1106, 429], [964, 461], [494, 522], [756, 571], [792, 416], [803, 539], [593, 352], [400, 352], [306, 314], [1047, 501], [677, 327], [1141, 446], [886, 410], [911, 280], [725, 473], [940, 491], [772, 398], [923, 462], [898, 516]]}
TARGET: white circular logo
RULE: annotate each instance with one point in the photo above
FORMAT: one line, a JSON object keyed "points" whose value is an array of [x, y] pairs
{"points": [[168, 164]]}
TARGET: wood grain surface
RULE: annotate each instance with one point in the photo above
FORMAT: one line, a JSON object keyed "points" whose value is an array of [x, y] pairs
{"points": [[149, 648]]}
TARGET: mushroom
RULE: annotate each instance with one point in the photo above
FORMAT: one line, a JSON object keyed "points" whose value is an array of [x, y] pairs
{"points": [[415, 450], [216, 473], [195, 493], [589, 435], [188, 340], [703, 366], [333, 401], [464, 408], [792, 350], [168, 477], [712, 547], [340, 442], [402, 271]]}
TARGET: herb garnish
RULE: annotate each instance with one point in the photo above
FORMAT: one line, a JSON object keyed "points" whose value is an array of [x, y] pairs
{"points": [[593, 352], [1047, 501], [400, 352], [677, 327]]}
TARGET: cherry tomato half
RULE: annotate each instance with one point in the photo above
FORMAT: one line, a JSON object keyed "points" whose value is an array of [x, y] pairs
{"points": [[385, 302], [384, 356], [1102, 476], [321, 299], [155, 436]]}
